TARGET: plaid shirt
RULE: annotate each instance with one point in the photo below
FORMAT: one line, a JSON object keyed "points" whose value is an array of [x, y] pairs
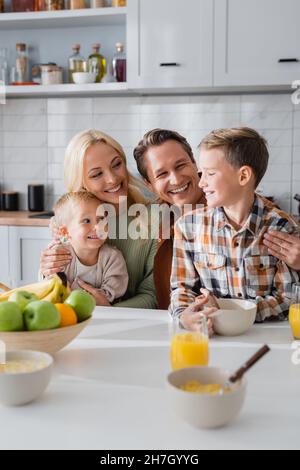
{"points": [[209, 253]]}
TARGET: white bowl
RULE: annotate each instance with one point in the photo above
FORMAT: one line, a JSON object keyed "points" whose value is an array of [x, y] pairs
{"points": [[81, 78], [200, 410], [235, 317], [22, 388]]}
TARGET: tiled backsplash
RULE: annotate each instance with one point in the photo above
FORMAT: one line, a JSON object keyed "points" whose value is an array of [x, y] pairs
{"points": [[35, 132]]}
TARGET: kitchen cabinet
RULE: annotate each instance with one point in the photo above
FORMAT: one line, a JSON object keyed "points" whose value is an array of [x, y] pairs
{"points": [[24, 251], [170, 44], [4, 264], [256, 42]]}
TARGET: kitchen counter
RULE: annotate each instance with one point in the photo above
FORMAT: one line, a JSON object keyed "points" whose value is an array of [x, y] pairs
{"points": [[108, 391], [20, 218]]}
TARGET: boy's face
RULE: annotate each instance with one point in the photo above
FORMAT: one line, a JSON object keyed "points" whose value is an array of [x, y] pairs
{"points": [[81, 229], [220, 181], [172, 174]]}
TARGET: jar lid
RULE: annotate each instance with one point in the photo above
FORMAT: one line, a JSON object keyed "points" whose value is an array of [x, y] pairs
{"points": [[20, 46], [50, 68]]}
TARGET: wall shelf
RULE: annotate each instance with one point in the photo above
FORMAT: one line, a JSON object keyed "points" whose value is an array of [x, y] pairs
{"points": [[93, 89], [64, 19]]}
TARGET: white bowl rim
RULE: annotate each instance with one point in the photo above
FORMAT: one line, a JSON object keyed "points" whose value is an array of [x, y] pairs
{"points": [[242, 384], [20, 352]]}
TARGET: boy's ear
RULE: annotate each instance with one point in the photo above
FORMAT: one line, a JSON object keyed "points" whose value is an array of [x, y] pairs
{"points": [[246, 174]]}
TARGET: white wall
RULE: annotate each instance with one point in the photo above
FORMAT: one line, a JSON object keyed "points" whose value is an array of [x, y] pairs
{"points": [[34, 133]]}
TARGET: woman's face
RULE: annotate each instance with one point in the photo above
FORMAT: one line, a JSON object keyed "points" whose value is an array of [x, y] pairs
{"points": [[172, 175], [105, 173]]}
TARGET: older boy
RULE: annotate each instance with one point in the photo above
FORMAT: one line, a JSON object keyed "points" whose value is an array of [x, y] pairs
{"points": [[220, 247]]}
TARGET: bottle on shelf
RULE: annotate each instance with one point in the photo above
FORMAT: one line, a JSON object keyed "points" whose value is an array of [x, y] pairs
{"points": [[21, 63], [77, 63], [51, 5], [1, 6], [77, 4], [97, 63], [22, 5], [118, 3], [119, 63], [98, 3]]}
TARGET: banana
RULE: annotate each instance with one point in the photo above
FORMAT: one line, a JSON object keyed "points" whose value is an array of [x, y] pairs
{"points": [[53, 290]]}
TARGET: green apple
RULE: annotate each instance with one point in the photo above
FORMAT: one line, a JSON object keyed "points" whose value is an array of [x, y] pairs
{"points": [[22, 298], [82, 302], [11, 318], [41, 315]]}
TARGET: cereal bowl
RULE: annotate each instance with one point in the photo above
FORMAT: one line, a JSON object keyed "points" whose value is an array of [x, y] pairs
{"points": [[24, 377], [235, 317], [205, 410]]}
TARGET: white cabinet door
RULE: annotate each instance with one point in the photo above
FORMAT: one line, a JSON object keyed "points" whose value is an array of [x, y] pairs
{"points": [[25, 247], [4, 264], [169, 43], [257, 42]]}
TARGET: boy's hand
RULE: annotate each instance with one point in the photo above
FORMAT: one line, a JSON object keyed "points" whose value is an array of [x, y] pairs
{"points": [[191, 316], [101, 300], [211, 299]]}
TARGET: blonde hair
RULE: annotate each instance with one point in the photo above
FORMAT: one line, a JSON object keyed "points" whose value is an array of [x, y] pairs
{"points": [[65, 206], [74, 158]]}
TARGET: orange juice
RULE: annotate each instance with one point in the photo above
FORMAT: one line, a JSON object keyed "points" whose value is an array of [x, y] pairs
{"points": [[188, 350], [294, 318]]}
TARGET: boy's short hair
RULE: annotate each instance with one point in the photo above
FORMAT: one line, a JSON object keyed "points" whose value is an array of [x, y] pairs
{"points": [[155, 138], [65, 206], [243, 146]]}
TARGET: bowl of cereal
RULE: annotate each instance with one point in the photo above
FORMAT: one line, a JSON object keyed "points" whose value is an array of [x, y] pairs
{"points": [[201, 397], [24, 377]]}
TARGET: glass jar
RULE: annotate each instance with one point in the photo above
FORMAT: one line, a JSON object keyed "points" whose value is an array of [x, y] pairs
{"points": [[97, 63], [22, 5], [77, 4], [77, 63], [54, 5], [118, 3], [119, 63], [21, 63], [4, 65], [98, 3], [51, 75]]}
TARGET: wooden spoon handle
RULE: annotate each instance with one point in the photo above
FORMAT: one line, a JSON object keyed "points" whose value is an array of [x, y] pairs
{"points": [[253, 360]]}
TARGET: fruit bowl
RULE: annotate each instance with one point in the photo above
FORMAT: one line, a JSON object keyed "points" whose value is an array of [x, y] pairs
{"points": [[49, 341]]}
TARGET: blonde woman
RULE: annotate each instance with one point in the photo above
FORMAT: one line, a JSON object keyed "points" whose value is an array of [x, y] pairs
{"points": [[95, 162]]}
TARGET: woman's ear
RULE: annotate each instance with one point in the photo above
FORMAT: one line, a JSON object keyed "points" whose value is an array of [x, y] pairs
{"points": [[246, 174]]}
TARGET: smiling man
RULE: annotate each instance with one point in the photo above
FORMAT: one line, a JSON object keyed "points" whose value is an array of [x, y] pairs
{"points": [[166, 162]]}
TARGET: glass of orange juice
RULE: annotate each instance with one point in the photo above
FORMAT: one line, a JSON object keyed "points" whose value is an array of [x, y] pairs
{"points": [[189, 348], [294, 315]]}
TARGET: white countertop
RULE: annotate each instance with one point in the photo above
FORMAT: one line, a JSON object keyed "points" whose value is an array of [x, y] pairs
{"points": [[108, 392]]}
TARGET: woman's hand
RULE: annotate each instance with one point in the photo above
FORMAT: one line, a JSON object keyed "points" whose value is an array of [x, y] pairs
{"points": [[285, 247], [100, 298], [191, 316], [54, 259]]}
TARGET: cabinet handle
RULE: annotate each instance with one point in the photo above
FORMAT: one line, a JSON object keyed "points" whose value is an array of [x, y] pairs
{"points": [[169, 64], [284, 61]]}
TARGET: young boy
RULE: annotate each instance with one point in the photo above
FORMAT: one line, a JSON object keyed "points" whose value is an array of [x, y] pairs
{"points": [[220, 247], [95, 267]]}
